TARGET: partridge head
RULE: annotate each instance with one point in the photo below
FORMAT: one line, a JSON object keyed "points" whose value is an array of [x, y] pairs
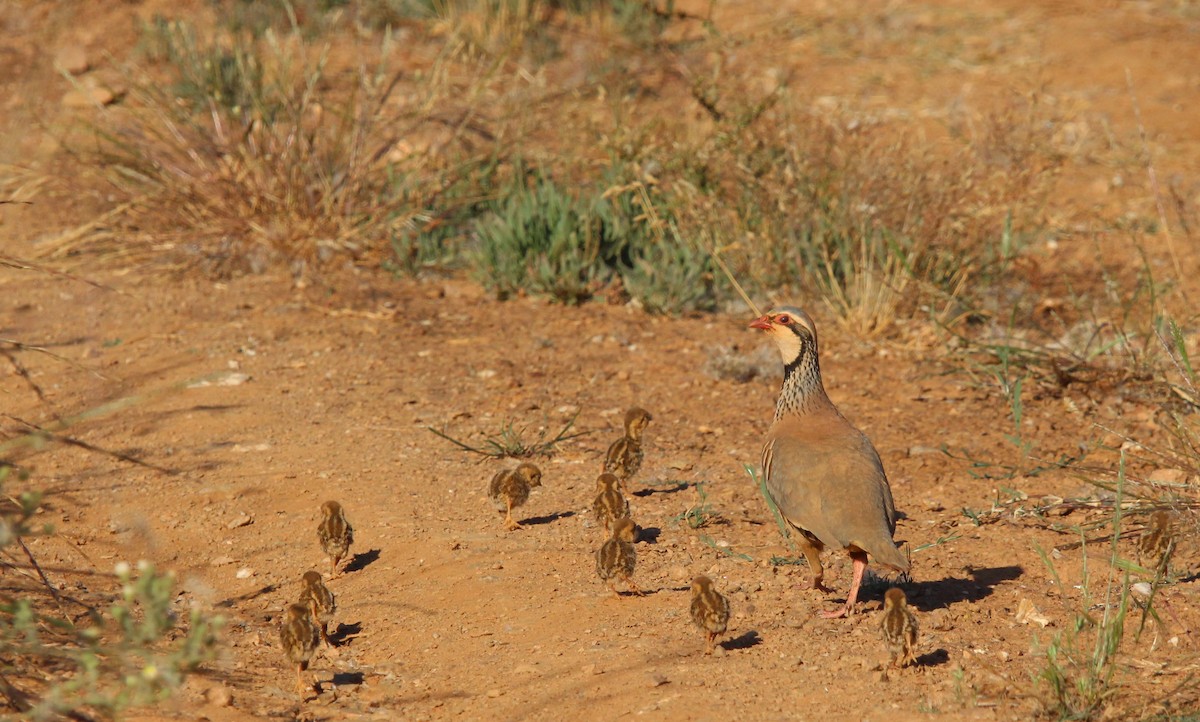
{"points": [[510, 489], [610, 503], [624, 457], [616, 558], [822, 473], [319, 600], [335, 534], [710, 610], [899, 628], [299, 639]]}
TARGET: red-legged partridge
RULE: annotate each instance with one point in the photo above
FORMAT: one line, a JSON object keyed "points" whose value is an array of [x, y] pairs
{"points": [[510, 489], [320, 601], [899, 628], [617, 558], [710, 610], [610, 503], [821, 472], [624, 456], [299, 638], [335, 534]]}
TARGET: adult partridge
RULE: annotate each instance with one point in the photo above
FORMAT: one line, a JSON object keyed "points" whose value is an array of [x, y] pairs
{"points": [[820, 471]]}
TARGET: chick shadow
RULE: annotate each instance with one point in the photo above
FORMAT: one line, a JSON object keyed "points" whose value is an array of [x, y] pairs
{"points": [[345, 633], [234, 601], [547, 519], [648, 534], [362, 560], [743, 641], [671, 488], [939, 593], [936, 658], [341, 679]]}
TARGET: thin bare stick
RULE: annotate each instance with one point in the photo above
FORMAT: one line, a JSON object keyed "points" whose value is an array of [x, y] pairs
{"points": [[1153, 175], [716, 256], [33, 563]]}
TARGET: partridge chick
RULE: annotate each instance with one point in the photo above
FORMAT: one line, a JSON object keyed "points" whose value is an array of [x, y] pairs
{"points": [[335, 533], [317, 597], [610, 503], [822, 473], [624, 457], [1156, 538], [710, 610], [899, 628], [616, 558], [510, 489], [299, 638]]}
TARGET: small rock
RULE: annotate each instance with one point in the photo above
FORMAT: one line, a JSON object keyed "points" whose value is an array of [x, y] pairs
{"points": [[219, 696], [221, 561], [485, 374], [494, 693], [240, 520], [1168, 476], [72, 59], [939, 619], [718, 651], [88, 97], [658, 680], [524, 669], [244, 573], [1027, 613], [678, 574]]}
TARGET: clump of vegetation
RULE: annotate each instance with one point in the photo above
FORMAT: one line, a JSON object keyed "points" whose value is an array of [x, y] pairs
{"points": [[512, 441], [542, 239], [100, 653]]}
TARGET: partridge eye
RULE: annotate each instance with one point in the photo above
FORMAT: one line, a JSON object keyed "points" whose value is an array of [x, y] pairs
{"points": [[784, 319]]}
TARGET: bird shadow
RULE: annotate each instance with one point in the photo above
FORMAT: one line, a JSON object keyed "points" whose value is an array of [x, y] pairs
{"points": [[547, 519], [345, 633], [345, 678], [233, 601], [743, 641], [668, 488], [648, 534], [362, 560], [935, 658], [927, 596]]}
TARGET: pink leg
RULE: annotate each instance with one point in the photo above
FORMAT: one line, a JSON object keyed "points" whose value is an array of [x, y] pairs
{"points": [[860, 566]]}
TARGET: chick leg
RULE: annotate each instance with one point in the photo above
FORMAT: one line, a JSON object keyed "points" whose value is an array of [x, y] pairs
{"points": [[509, 522], [860, 566], [301, 689], [613, 587], [633, 587], [708, 642]]}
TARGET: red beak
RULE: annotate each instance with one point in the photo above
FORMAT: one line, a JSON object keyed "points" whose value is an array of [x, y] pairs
{"points": [[762, 322]]}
